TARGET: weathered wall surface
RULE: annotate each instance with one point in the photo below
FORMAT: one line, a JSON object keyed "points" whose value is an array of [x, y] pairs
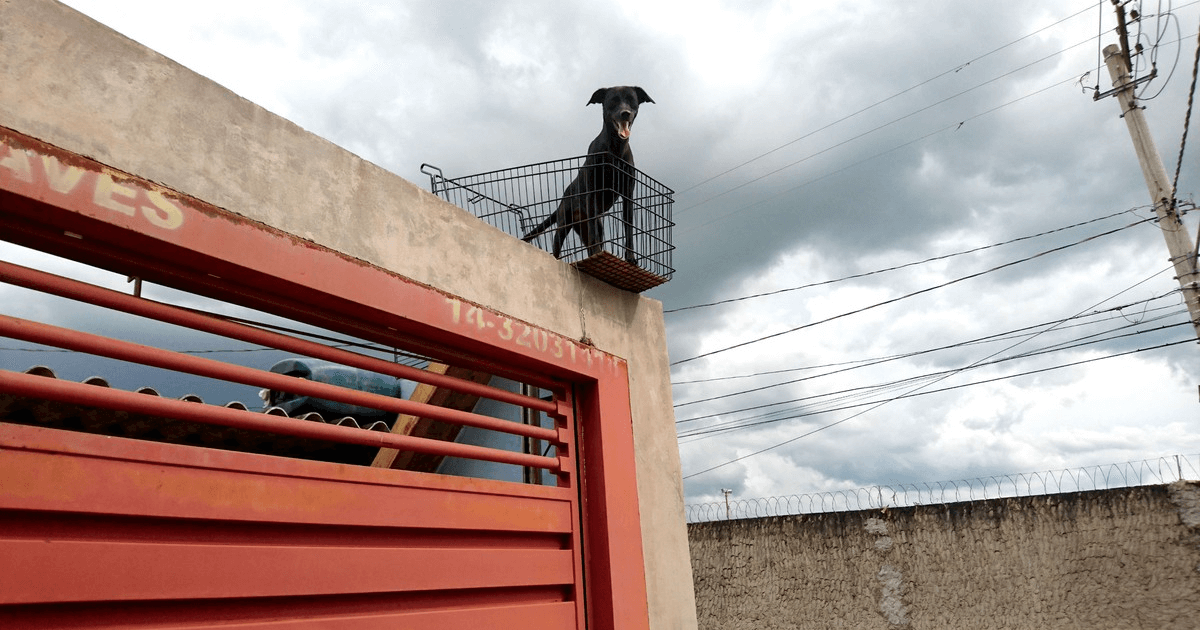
{"points": [[76, 84], [1126, 558]]}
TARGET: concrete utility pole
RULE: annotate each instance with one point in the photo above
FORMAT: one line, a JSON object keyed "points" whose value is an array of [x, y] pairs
{"points": [[1179, 244]]}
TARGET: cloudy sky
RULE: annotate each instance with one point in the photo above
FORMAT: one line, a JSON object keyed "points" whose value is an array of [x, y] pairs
{"points": [[877, 150]]}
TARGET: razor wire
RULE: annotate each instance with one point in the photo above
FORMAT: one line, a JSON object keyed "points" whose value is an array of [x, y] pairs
{"points": [[1100, 477]]}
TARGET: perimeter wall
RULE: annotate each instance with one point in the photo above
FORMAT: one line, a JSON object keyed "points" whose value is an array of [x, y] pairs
{"points": [[1122, 558], [74, 83]]}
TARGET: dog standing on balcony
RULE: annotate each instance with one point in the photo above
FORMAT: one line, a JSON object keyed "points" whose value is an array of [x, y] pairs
{"points": [[606, 174]]}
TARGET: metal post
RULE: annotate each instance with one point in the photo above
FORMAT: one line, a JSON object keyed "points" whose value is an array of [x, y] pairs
{"points": [[532, 445]]}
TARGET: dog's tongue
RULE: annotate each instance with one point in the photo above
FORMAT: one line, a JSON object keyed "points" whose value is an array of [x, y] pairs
{"points": [[624, 128]]}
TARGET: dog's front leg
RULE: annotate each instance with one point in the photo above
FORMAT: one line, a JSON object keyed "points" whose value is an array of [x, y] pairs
{"points": [[627, 218], [594, 238]]}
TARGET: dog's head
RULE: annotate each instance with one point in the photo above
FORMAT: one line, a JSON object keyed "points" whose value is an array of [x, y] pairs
{"points": [[621, 106]]}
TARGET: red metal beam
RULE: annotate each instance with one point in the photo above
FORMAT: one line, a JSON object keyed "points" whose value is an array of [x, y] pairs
{"points": [[614, 543], [107, 298], [382, 613], [105, 398], [145, 570], [35, 332], [49, 471]]}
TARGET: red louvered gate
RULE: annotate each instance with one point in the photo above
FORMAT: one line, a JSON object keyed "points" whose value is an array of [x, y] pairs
{"points": [[102, 525]]}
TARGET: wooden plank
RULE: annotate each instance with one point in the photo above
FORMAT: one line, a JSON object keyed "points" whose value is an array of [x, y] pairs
{"points": [[432, 429]]}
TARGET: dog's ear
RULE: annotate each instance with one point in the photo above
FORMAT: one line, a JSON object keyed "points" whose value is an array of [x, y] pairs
{"points": [[598, 96], [642, 96]]}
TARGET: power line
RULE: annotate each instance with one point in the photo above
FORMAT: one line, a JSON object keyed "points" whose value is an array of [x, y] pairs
{"points": [[869, 390], [874, 406], [913, 391], [952, 70], [871, 363], [897, 267], [332, 342], [1054, 347], [950, 127], [1159, 32], [1187, 118], [1019, 332], [909, 295], [918, 392], [880, 127], [1066, 345]]}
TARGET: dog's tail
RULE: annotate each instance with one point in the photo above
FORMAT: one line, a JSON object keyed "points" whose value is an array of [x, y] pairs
{"points": [[537, 231]]}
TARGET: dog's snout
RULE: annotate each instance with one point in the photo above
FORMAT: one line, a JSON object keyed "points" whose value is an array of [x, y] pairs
{"points": [[625, 114]]}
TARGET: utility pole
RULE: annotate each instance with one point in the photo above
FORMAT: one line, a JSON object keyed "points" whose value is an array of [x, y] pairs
{"points": [[727, 493], [1179, 243]]}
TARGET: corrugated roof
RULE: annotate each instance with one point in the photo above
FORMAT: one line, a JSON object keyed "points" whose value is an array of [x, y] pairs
{"points": [[52, 414]]}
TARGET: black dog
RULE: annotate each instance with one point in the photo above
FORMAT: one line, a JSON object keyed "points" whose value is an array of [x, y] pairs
{"points": [[606, 174]]}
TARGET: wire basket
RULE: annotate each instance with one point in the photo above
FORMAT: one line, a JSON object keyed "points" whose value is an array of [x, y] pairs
{"points": [[517, 200]]}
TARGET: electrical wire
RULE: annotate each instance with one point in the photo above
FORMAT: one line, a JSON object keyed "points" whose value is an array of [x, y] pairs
{"points": [[1019, 332], [1187, 118], [952, 70], [897, 267], [909, 295], [919, 392], [1066, 345], [332, 342], [870, 390], [883, 126], [1159, 32], [1059, 325], [911, 392], [871, 363], [950, 127]]}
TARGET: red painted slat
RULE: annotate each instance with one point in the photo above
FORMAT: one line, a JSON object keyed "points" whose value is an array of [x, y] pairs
{"points": [[36, 332], [533, 616], [65, 526], [48, 571], [73, 289], [32, 438], [105, 398], [555, 616], [109, 476]]}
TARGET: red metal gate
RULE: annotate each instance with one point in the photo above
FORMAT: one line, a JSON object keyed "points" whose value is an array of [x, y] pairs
{"points": [[101, 528]]}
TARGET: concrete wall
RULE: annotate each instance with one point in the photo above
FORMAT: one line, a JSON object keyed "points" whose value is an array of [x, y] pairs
{"points": [[1125, 558], [74, 83]]}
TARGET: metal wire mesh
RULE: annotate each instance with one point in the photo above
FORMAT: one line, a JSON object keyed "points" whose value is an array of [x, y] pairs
{"points": [[517, 200], [1102, 477]]}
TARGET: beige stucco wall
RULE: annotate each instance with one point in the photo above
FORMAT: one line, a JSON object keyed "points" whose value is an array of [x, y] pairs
{"points": [[76, 84], [1120, 559]]}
